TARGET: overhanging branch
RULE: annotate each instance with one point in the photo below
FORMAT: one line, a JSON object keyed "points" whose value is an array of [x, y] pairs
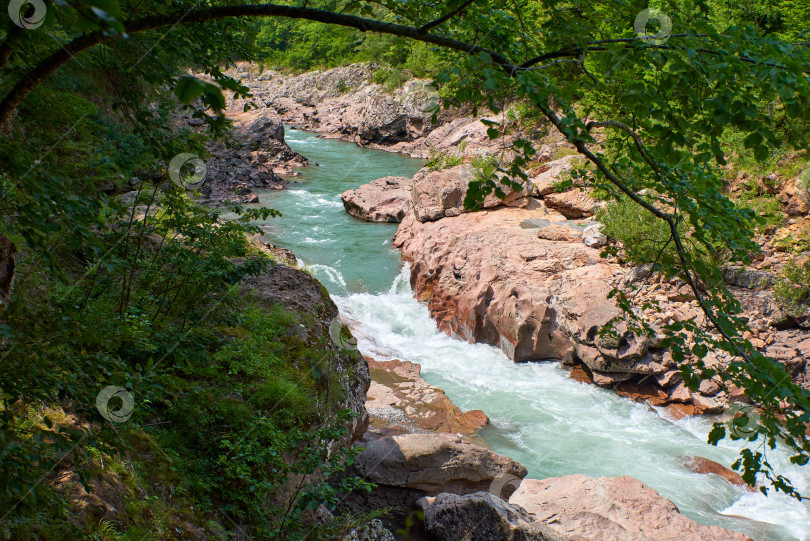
{"points": [[80, 44]]}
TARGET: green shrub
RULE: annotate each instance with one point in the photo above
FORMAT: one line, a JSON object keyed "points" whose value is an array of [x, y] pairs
{"points": [[484, 167], [391, 78], [792, 291], [644, 238], [438, 160], [765, 205], [343, 88]]}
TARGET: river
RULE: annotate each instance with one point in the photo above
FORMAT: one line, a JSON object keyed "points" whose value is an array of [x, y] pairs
{"points": [[541, 418]]}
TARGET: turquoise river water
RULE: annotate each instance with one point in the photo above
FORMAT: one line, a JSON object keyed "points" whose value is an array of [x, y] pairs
{"points": [[541, 418]]}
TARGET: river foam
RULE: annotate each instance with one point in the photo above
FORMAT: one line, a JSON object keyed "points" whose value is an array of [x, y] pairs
{"points": [[557, 426]]}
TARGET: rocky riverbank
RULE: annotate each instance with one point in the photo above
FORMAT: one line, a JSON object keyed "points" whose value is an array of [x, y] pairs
{"points": [[523, 276], [469, 492], [345, 103], [526, 276]]}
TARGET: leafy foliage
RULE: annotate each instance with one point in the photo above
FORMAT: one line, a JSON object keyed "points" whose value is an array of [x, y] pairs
{"points": [[793, 289]]}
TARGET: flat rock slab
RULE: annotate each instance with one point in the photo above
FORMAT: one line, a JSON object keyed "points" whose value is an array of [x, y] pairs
{"points": [[611, 508], [399, 396]]}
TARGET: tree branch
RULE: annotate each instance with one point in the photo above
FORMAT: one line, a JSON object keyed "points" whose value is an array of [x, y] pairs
{"points": [[624, 127], [64, 54], [447, 17]]}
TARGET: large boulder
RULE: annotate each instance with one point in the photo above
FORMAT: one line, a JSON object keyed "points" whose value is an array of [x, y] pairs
{"points": [[383, 200], [498, 295], [255, 158], [481, 517], [439, 194], [266, 126], [433, 463], [611, 508]]}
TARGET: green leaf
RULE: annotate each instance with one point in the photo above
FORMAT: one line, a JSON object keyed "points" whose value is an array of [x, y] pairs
{"points": [[188, 88]]}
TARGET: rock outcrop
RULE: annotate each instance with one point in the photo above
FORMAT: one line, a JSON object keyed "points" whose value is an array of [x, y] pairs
{"points": [[496, 295], [482, 517], [611, 508], [345, 103], [386, 199], [433, 463], [399, 397], [256, 157], [531, 281]]}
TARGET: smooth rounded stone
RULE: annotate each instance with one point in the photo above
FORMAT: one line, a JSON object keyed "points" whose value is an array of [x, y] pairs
{"points": [[433, 463], [481, 517], [611, 508], [699, 464], [386, 200]]}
